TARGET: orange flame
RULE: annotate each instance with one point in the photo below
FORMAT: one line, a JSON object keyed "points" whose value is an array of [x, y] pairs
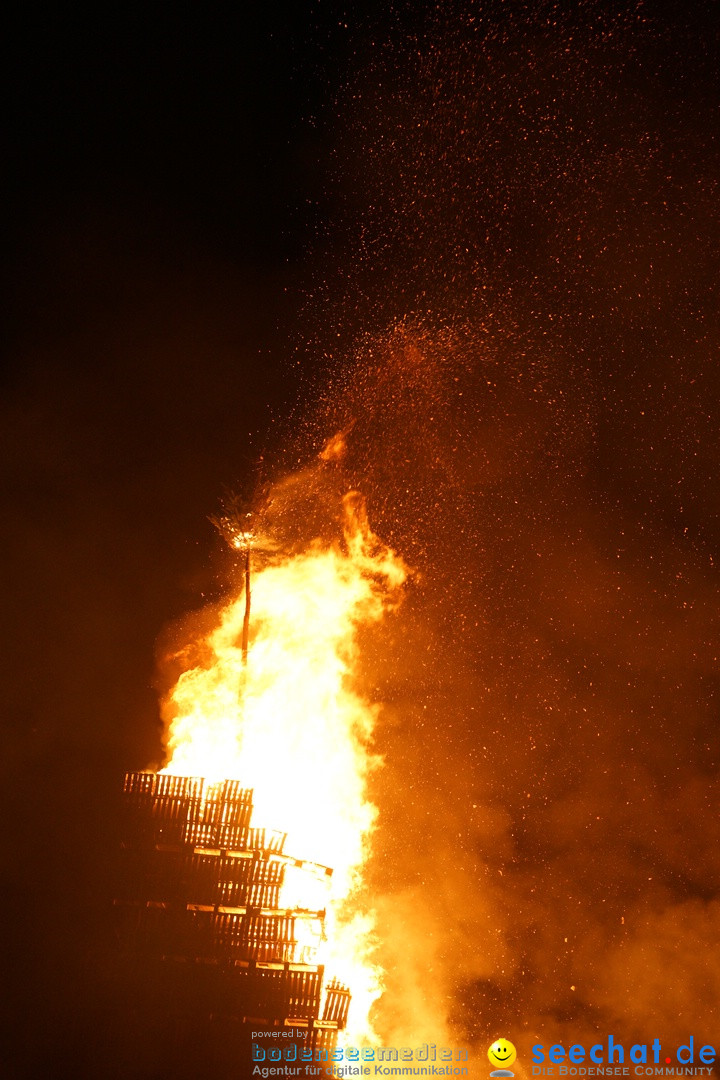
{"points": [[335, 448], [291, 725]]}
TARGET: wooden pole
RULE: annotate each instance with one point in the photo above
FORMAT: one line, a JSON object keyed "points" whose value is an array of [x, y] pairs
{"points": [[246, 619]]}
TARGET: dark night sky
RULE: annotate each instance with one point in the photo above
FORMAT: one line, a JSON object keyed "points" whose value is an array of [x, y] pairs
{"points": [[203, 203], [156, 192]]}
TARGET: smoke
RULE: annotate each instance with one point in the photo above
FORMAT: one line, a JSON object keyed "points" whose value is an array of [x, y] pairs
{"points": [[535, 433], [514, 294], [546, 855]]}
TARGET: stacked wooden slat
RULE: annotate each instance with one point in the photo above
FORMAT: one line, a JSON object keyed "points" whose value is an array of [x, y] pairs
{"points": [[200, 916], [337, 1003]]}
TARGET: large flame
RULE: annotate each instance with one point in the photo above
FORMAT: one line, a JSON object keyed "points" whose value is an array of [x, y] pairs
{"points": [[291, 724]]}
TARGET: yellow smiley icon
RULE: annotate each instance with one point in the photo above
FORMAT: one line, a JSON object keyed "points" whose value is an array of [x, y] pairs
{"points": [[502, 1053]]}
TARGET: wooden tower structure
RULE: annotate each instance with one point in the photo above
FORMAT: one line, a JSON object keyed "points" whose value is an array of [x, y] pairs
{"points": [[209, 952]]}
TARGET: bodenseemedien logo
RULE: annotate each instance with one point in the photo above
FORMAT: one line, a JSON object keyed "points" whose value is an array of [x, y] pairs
{"points": [[501, 1054]]}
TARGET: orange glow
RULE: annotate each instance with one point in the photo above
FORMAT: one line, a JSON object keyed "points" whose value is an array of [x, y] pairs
{"points": [[335, 448], [291, 725]]}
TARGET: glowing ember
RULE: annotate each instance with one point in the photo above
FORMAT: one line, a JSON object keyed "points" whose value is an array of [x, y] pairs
{"points": [[290, 725]]}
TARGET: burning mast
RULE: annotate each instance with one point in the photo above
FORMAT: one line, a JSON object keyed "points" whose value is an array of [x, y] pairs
{"points": [[266, 714]]}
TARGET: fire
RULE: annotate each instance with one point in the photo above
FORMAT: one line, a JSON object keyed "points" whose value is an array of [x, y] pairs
{"points": [[290, 723], [335, 448]]}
